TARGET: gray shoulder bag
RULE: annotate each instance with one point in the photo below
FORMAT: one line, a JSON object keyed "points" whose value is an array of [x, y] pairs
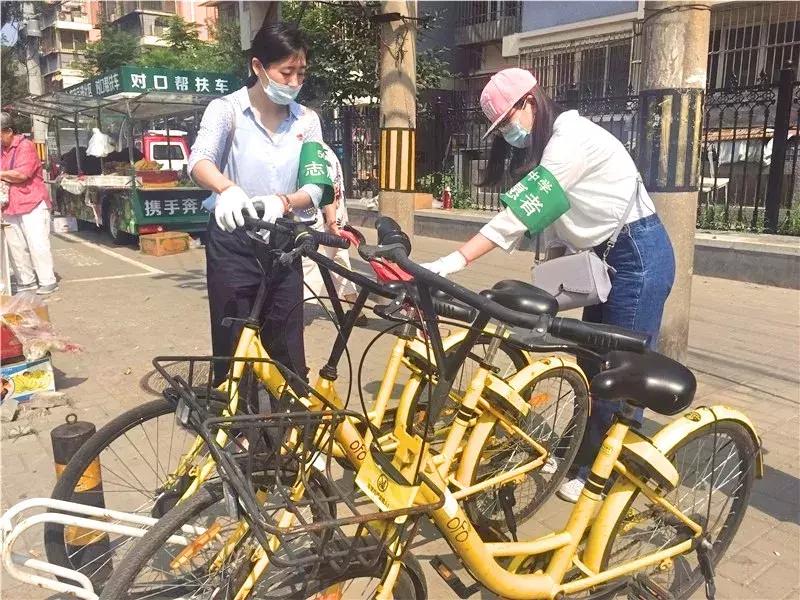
{"points": [[580, 279]]}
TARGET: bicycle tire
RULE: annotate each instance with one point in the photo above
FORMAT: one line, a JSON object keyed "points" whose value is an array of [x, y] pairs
{"points": [[575, 428], [746, 448], [411, 583], [103, 439]]}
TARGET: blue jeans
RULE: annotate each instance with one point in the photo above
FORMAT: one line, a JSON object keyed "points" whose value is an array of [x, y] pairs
{"points": [[645, 270]]}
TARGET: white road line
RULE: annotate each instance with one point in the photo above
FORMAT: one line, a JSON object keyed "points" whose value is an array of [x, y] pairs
{"points": [[116, 255], [107, 277]]}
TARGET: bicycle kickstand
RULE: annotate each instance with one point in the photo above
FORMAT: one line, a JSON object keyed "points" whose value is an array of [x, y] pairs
{"points": [[704, 550]]}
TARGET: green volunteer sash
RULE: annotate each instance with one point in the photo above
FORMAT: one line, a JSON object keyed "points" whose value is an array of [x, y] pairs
{"points": [[537, 200], [316, 168]]}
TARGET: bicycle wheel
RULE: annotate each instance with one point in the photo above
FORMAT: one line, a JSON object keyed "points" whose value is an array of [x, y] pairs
{"points": [[560, 402], [716, 469], [142, 574], [137, 451]]}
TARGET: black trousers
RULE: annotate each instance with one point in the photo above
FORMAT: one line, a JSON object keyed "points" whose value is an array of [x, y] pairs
{"points": [[233, 277]]}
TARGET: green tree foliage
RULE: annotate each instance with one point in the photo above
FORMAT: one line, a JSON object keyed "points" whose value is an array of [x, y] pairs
{"points": [[114, 49], [184, 49], [13, 80], [13, 77], [345, 49]]}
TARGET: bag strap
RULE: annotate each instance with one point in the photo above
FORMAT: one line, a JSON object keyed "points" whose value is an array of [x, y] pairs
{"points": [[613, 239], [231, 132]]}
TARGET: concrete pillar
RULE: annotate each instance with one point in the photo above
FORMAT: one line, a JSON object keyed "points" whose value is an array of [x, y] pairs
{"points": [[253, 16], [33, 68], [398, 114], [671, 111]]}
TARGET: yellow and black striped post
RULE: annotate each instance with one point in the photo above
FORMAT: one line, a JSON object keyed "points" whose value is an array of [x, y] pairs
{"points": [[398, 148], [88, 549], [398, 115]]}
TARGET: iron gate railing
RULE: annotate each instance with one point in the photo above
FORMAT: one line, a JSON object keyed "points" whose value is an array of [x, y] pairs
{"points": [[749, 150], [749, 158]]}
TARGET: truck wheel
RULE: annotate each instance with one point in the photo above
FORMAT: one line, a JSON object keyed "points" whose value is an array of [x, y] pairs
{"points": [[112, 218]]}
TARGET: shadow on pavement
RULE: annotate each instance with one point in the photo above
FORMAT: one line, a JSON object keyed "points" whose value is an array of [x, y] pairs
{"points": [[193, 279], [63, 382]]}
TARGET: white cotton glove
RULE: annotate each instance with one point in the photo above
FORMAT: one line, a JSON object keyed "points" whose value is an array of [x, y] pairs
{"points": [[447, 265], [229, 206], [274, 207]]}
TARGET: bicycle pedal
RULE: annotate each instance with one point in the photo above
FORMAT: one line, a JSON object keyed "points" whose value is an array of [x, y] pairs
{"points": [[451, 579], [642, 587]]}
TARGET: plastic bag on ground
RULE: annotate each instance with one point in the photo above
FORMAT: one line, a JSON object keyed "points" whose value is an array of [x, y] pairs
{"points": [[24, 315]]}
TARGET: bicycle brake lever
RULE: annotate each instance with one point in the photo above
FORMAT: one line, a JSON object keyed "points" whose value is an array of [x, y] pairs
{"points": [[287, 258], [388, 311], [368, 252]]}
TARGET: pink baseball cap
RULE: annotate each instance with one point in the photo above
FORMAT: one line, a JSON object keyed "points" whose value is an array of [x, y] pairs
{"points": [[503, 91]]}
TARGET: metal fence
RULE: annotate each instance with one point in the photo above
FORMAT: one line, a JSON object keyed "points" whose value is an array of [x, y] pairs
{"points": [[354, 134], [749, 158], [748, 163]]}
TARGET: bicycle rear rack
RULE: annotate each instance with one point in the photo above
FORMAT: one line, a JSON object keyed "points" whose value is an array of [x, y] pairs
{"points": [[24, 568]]}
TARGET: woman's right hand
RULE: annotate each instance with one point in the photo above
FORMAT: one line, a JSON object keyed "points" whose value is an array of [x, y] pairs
{"points": [[447, 265], [230, 204]]}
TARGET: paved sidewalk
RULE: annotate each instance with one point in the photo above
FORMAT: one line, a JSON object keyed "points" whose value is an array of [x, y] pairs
{"points": [[744, 349]]}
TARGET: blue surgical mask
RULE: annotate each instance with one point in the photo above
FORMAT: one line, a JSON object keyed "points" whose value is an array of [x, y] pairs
{"points": [[516, 135], [281, 93]]}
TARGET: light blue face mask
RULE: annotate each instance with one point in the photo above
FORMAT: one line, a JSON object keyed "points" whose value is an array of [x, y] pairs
{"points": [[516, 135], [281, 93]]}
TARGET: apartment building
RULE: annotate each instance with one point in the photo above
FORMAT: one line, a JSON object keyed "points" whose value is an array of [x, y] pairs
{"points": [[148, 20], [66, 28]]}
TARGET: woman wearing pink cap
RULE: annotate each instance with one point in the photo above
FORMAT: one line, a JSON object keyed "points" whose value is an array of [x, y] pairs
{"points": [[588, 186]]}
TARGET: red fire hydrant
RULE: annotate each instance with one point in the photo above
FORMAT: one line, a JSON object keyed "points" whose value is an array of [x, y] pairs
{"points": [[447, 198]]}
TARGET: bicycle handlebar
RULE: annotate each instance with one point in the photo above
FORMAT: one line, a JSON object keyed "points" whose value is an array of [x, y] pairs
{"points": [[299, 230], [601, 337]]}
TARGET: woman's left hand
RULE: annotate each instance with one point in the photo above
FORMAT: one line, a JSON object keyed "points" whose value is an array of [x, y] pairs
{"points": [[274, 207]]}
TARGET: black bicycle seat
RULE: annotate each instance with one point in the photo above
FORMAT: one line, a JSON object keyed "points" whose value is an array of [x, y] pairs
{"points": [[522, 297], [648, 380]]}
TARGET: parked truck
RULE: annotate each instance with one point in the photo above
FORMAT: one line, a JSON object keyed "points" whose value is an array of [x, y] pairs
{"points": [[142, 186]]}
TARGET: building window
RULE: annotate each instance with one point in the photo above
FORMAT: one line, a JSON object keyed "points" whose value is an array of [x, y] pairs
{"points": [[154, 25], [783, 46], [750, 43], [483, 11], [594, 70], [73, 40]]}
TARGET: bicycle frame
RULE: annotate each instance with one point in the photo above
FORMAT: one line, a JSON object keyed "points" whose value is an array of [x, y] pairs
{"points": [[249, 346]]}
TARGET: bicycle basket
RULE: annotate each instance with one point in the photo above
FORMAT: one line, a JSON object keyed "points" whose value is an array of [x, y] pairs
{"points": [[303, 508], [191, 387]]}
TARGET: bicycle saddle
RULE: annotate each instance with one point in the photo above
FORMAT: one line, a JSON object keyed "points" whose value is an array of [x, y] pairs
{"points": [[522, 297], [648, 380]]}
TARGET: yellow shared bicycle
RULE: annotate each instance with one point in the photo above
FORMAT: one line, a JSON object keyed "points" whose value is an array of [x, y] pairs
{"points": [[535, 408], [655, 517]]}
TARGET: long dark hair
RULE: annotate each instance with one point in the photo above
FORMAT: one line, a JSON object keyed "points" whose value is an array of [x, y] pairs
{"points": [[525, 159], [273, 43]]}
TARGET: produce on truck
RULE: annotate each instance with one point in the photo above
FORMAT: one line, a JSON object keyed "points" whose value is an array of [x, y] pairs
{"points": [[142, 186]]}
